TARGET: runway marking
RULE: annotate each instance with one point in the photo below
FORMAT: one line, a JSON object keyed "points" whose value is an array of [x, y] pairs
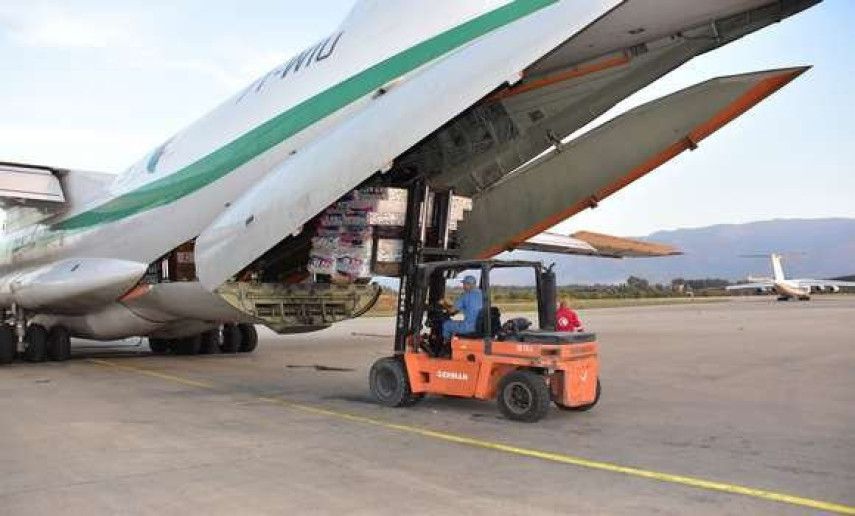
{"points": [[154, 374], [709, 485]]}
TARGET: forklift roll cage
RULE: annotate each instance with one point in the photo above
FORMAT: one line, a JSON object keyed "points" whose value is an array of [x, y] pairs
{"points": [[430, 281], [425, 260]]}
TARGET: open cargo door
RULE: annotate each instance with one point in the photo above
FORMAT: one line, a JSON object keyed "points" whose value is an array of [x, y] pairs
{"points": [[585, 171], [458, 68]]}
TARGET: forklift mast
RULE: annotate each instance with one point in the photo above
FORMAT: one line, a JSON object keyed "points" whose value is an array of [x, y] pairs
{"points": [[419, 246], [422, 246]]}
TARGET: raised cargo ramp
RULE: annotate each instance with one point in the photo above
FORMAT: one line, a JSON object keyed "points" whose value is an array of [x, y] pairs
{"points": [[580, 174]]}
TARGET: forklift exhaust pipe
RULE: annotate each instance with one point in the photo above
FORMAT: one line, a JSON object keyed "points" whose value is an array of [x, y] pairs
{"points": [[546, 303]]}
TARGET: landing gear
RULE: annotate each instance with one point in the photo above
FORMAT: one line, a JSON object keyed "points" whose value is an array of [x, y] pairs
{"points": [[58, 344], [159, 346], [39, 344], [210, 343], [187, 345], [36, 343], [8, 344], [248, 338], [231, 338]]}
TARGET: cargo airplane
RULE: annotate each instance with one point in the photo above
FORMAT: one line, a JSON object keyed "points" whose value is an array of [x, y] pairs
{"points": [[787, 289], [209, 233]]}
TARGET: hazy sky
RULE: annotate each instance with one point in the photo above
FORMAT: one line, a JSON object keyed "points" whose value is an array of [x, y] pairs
{"points": [[95, 84]]}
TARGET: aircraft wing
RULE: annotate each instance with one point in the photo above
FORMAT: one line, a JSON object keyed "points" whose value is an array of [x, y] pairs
{"points": [[557, 244], [32, 193], [766, 285], [27, 183], [586, 243], [823, 283], [620, 247]]}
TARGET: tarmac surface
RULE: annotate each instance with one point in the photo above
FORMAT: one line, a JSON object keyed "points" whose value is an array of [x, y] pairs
{"points": [[740, 407]]}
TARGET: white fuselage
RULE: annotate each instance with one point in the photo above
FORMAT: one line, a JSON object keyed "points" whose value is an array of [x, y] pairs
{"points": [[172, 194], [785, 288]]}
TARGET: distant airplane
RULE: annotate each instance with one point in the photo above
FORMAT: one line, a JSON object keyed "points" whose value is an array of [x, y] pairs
{"points": [[787, 289]]}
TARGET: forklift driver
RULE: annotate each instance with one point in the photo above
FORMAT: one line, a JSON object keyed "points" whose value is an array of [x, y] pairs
{"points": [[469, 304]]}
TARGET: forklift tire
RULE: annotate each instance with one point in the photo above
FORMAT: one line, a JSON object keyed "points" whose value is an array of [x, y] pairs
{"points": [[58, 344], [248, 338], [390, 385], [523, 396], [8, 344], [582, 408], [159, 346], [36, 339], [231, 339]]}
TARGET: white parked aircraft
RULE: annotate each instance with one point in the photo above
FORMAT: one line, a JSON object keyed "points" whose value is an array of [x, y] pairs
{"points": [[787, 289], [211, 227]]}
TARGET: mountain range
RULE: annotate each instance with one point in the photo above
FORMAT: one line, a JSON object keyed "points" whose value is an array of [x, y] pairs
{"points": [[812, 248]]}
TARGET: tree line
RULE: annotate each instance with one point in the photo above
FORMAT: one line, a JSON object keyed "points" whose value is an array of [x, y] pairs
{"points": [[633, 287]]}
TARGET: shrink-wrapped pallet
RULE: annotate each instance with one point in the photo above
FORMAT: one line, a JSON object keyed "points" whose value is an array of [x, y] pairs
{"points": [[344, 238], [390, 250], [322, 263]]}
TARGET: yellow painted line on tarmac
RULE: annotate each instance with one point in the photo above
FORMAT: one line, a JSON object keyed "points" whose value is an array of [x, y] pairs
{"points": [[154, 374], [695, 482]]}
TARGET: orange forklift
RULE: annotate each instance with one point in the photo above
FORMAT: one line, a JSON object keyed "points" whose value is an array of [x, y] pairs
{"points": [[524, 369]]}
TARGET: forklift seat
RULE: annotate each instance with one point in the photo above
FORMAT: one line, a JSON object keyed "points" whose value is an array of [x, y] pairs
{"points": [[480, 328]]}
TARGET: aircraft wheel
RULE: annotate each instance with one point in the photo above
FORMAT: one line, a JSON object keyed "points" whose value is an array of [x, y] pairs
{"points": [[36, 339], [188, 345], [582, 408], [8, 344], [210, 343], [248, 338], [231, 338], [523, 396], [390, 384], [58, 344], [159, 346]]}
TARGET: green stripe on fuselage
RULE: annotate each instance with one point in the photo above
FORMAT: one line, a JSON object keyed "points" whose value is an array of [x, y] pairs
{"points": [[278, 129]]}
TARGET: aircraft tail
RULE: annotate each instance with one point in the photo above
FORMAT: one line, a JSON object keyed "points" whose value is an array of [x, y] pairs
{"points": [[777, 268]]}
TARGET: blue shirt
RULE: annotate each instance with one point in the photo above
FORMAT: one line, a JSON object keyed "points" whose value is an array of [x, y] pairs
{"points": [[470, 304]]}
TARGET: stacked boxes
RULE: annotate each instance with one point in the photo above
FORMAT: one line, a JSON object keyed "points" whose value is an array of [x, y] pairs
{"points": [[343, 245], [388, 251], [361, 235], [459, 206]]}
